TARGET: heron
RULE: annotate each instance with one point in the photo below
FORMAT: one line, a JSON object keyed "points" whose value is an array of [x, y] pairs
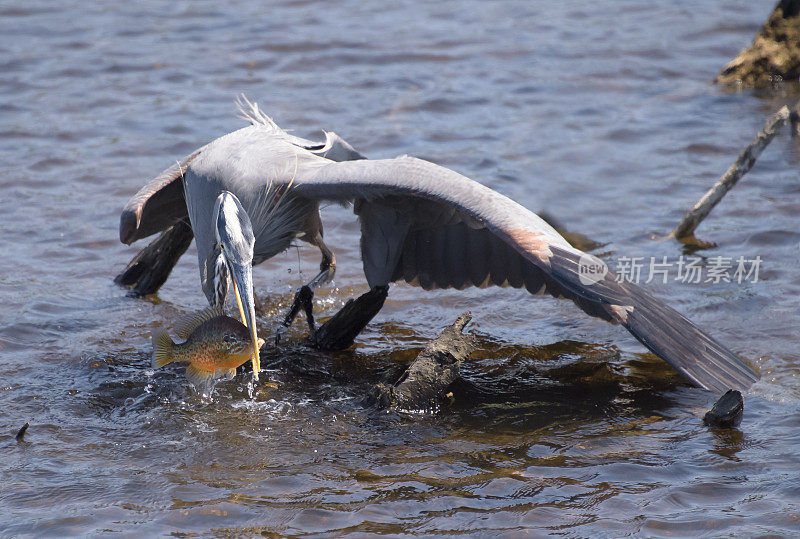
{"points": [[249, 194]]}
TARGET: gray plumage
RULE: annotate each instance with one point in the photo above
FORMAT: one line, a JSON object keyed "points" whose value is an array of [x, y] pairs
{"points": [[420, 222]]}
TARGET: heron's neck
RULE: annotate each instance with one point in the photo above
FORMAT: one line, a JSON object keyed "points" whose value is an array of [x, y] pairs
{"points": [[276, 230]]}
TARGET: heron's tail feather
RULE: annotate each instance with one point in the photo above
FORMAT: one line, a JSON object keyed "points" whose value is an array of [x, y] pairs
{"points": [[163, 349]]}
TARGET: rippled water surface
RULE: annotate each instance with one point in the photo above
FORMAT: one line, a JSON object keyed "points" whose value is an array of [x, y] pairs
{"points": [[599, 113]]}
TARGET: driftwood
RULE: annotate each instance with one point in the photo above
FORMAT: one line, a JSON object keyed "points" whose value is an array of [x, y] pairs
{"points": [[685, 230], [434, 369], [727, 411], [774, 54], [149, 269]]}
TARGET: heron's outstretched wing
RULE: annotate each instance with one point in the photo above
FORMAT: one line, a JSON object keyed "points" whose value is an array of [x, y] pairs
{"points": [[161, 202], [434, 227], [157, 205]]}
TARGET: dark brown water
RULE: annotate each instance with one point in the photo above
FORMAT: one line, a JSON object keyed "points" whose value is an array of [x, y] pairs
{"points": [[602, 113]]}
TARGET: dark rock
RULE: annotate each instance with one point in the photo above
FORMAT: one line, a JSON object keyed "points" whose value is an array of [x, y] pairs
{"points": [[727, 411]]}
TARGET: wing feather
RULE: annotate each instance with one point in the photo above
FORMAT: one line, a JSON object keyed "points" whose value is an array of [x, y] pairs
{"points": [[424, 268], [508, 244], [454, 256], [157, 205], [478, 257]]}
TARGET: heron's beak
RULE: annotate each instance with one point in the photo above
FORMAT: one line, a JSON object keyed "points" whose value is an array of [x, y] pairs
{"points": [[242, 276]]}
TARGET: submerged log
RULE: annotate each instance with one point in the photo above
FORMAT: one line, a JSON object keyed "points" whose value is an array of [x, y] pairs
{"points": [[774, 54], [434, 369], [727, 411], [340, 331], [149, 269]]}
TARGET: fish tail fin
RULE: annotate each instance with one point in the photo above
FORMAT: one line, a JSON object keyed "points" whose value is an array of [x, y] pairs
{"points": [[163, 348], [199, 377]]}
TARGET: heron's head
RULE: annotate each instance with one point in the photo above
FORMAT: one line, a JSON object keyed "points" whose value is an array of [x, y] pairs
{"points": [[234, 234], [233, 229]]}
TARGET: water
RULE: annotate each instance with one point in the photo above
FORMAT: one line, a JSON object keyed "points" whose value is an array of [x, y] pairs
{"points": [[602, 114]]}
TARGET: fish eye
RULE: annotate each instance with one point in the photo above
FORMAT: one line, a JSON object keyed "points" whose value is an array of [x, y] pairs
{"points": [[227, 339]]}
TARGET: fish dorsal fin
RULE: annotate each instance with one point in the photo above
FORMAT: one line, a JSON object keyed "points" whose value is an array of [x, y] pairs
{"points": [[191, 321]]}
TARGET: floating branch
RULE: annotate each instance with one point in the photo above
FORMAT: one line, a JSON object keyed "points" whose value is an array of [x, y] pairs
{"points": [[21, 433], [686, 228]]}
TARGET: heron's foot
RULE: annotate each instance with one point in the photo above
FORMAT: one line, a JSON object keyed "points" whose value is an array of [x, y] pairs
{"points": [[303, 299], [341, 330]]}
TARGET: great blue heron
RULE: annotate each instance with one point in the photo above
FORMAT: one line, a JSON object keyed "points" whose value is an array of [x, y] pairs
{"points": [[249, 193]]}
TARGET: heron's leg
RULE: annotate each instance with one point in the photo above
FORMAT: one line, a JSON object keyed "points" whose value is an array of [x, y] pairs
{"points": [[303, 298], [327, 267]]}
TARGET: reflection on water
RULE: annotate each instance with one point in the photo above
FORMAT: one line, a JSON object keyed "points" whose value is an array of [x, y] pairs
{"points": [[559, 424]]}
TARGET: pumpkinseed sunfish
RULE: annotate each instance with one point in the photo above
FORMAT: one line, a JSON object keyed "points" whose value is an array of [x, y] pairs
{"points": [[213, 344]]}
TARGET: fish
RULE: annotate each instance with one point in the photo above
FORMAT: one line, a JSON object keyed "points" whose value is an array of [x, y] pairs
{"points": [[213, 344]]}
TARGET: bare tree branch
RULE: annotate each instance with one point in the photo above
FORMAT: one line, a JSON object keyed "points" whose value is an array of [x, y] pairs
{"points": [[742, 165]]}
